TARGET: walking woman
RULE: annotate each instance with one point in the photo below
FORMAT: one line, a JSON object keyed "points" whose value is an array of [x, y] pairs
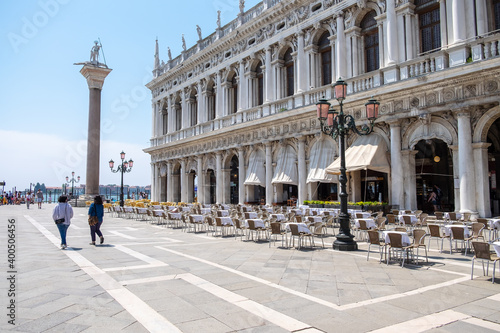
{"points": [[63, 210], [96, 209]]}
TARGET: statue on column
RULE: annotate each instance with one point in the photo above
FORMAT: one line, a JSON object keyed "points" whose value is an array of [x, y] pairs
{"points": [[183, 43], [242, 6], [218, 19], [198, 29], [169, 54], [94, 53]]}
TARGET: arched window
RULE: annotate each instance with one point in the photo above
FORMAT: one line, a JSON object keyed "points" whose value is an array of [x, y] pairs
{"points": [[429, 24], [289, 72], [325, 52], [259, 76], [369, 32]]}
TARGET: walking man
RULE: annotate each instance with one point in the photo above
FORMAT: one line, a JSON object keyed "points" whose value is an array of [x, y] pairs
{"points": [[39, 198]]}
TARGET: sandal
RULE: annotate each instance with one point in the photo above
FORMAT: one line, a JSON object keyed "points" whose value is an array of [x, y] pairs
{"points": [[93, 243], [102, 239]]}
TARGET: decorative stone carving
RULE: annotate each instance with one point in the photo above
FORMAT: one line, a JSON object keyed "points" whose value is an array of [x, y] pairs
{"points": [[414, 102], [491, 86], [448, 95], [431, 99], [470, 91]]}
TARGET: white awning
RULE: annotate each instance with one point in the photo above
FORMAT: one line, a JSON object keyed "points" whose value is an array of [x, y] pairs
{"points": [[256, 173], [286, 168], [322, 154], [367, 152]]}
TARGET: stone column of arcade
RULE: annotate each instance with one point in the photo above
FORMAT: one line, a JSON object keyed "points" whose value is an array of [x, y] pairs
{"points": [[95, 76]]}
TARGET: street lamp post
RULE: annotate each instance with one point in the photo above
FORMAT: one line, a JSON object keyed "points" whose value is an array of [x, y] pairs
{"points": [[337, 124], [124, 167], [72, 181]]}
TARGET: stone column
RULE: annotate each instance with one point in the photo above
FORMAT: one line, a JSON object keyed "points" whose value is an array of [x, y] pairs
{"points": [[392, 33], [185, 110], [465, 167], [241, 175], [481, 19], [443, 23], [269, 173], [171, 111], [170, 186], [397, 178], [268, 76], [301, 157], [218, 96], [409, 36], [199, 100], [153, 182], [381, 48], [301, 64], [482, 183], [219, 176], [201, 181], [458, 21], [157, 182], [95, 79], [340, 49], [242, 87], [183, 180]]}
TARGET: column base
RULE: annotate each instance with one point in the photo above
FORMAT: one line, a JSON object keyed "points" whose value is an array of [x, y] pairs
{"points": [[345, 243]]}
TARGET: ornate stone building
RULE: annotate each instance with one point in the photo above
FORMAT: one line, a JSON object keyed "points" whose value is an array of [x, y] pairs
{"points": [[234, 116]]}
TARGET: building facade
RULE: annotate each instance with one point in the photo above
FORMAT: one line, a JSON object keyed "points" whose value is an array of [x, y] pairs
{"points": [[234, 116]]}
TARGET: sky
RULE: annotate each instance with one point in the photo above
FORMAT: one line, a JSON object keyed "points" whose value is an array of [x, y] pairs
{"points": [[44, 98]]}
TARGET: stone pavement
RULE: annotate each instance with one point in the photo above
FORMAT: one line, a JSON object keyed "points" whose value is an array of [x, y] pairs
{"points": [[148, 278]]}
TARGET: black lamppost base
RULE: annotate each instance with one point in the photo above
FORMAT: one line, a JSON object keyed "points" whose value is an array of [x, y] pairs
{"points": [[345, 243]]}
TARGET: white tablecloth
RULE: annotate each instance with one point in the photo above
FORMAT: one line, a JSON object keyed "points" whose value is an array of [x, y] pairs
{"points": [[205, 211], [370, 223], [223, 213], [156, 207], [298, 212], [258, 223], [170, 208], [128, 209], [142, 210], [197, 218], [494, 224], [302, 227], [186, 209], [268, 209], [176, 216], [226, 220], [413, 219], [225, 207], [447, 215], [158, 212], [279, 217], [405, 239], [251, 215], [496, 247], [315, 219], [361, 215], [303, 206], [447, 229]]}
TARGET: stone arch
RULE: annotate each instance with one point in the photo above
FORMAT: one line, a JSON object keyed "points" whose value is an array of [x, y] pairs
{"points": [[484, 123], [253, 62], [317, 139], [192, 165], [283, 47], [209, 163], [360, 13], [316, 35], [438, 128], [226, 160]]}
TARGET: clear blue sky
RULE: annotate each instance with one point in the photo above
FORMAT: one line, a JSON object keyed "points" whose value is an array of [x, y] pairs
{"points": [[44, 98]]}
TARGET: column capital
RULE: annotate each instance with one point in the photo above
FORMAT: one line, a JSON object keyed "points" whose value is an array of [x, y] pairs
{"points": [[463, 112], [95, 75], [481, 145], [394, 122]]}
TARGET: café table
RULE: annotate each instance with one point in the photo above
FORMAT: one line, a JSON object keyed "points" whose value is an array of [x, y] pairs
{"points": [[370, 223], [405, 239], [413, 218]]}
